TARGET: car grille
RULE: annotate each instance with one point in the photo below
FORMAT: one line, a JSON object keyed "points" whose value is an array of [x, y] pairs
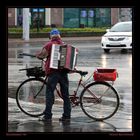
{"points": [[122, 45], [116, 39]]}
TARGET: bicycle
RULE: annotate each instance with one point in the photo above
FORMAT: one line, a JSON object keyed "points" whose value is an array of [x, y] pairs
{"points": [[99, 100]]}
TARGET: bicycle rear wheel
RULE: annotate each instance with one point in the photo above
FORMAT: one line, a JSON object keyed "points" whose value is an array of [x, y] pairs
{"points": [[30, 96], [99, 100]]}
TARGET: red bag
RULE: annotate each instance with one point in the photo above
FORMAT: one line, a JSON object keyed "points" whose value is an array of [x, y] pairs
{"points": [[105, 74]]}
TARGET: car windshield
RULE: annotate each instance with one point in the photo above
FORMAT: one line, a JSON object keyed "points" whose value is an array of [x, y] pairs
{"points": [[122, 27]]}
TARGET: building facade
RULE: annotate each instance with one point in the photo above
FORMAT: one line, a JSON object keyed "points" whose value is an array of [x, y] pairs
{"points": [[70, 17]]}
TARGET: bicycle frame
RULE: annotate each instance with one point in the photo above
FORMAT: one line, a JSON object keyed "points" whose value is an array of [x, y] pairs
{"points": [[74, 98]]}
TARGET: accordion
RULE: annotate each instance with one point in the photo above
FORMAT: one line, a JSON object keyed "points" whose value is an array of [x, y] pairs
{"points": [[63, 57]]}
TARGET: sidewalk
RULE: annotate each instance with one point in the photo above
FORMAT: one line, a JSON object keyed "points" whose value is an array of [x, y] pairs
{"points": [[33, 40]]}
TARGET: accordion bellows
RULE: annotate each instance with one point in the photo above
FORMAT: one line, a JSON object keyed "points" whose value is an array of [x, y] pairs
{"points": [[63, 57]]}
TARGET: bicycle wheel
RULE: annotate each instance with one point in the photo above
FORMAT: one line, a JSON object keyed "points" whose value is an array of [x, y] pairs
{"points": [[30, 97], [99, 100]]}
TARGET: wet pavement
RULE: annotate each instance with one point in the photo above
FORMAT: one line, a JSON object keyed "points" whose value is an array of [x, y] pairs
{"points": [[78, 123], [90, 57]]}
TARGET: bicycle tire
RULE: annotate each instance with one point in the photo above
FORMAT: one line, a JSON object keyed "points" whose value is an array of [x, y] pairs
{"points": [[31, 106], [99, 108]]}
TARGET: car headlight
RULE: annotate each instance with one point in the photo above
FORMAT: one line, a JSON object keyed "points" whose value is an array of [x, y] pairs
{"points": [[128, 37], [104, 38]]}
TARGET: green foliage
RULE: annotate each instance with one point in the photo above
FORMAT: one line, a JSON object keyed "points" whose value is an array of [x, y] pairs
{"points": [[62, 30]]}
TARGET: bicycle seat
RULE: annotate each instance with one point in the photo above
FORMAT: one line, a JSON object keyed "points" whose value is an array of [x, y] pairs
{"points": [[82, 73]]}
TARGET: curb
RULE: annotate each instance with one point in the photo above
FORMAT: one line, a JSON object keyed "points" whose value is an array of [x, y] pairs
{"points": [[37, 40]]}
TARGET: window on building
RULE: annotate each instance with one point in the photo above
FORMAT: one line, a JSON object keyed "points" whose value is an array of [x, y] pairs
{"points": [[87, 17], [71, 17], [37, 17], [83, 17], [19, 16], [125, 14], [103, 17], [91, 17]]}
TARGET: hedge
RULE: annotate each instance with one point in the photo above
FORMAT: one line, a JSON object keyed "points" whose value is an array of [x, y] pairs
{"points": [[65, 32], [62, 30]]}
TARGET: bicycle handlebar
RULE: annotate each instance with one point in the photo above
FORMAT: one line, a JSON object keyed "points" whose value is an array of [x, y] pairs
{"points": [[31, 55], [22, 69], [26, 54]]}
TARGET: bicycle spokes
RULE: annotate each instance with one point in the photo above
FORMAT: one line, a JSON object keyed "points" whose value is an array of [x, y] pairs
{"points": [[99, 101], [30, 99]]}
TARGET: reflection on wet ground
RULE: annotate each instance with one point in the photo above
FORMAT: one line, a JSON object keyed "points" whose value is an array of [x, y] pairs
{"points": [[78, 123], [19, 122], [55, 126]]}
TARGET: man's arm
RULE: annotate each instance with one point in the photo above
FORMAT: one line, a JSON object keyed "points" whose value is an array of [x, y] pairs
{"points": [[42, 54]]}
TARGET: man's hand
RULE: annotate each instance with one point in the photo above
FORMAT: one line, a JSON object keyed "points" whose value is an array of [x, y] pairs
{"points": [[38, 56]]}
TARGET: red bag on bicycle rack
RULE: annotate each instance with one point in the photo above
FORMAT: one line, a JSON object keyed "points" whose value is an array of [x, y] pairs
{"points": [[105, 74]]}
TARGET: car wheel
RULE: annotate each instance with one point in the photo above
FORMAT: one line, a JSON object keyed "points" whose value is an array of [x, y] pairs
{"points": [[106, 50]]}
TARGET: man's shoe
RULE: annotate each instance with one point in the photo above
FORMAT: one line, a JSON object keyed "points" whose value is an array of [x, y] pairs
{"points": [[45, 119], [62, 119]]}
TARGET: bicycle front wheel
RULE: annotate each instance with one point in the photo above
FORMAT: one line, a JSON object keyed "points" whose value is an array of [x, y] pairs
{"points": [[30, 96], [99, 100]]}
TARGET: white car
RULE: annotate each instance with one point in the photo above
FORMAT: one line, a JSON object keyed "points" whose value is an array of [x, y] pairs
{"points": [[118, 37]]}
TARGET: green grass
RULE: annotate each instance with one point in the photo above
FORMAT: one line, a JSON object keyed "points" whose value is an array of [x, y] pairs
{"points": [[62, 30]]}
